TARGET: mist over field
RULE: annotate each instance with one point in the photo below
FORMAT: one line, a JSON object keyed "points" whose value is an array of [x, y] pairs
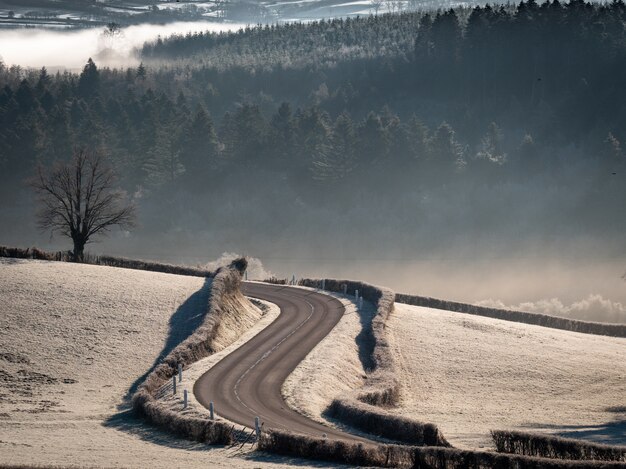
{"points": [[69, 50], [579, 280], [472, 154]]}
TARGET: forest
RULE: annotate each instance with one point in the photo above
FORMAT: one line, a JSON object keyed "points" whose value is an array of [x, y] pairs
{"points": [[404, 131]]}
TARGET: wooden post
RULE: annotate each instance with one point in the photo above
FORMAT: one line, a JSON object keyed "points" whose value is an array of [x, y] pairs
{"points": [[257, 427], [180, 372], [174, 384], [356, 295], [211, 414], [185, 399]]}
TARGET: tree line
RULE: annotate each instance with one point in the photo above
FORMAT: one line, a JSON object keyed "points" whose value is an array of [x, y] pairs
{"points": [[155, 141], [344, 113]]}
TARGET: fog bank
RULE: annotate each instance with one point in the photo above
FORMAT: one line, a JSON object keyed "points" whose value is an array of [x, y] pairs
{"points": [[71, 49]]}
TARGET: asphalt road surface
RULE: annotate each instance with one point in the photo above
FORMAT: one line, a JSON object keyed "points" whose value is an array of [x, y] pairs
{"points": [[247, 383]]}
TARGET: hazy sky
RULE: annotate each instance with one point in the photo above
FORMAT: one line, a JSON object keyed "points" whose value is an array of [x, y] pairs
{"points": [[71, 49]]}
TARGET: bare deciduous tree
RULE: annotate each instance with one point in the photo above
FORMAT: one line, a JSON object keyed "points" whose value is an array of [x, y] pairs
{"points": [[376, 5], [79, 199]]}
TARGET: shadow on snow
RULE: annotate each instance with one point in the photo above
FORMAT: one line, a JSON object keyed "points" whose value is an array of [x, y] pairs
{"points": [[183, 322]]}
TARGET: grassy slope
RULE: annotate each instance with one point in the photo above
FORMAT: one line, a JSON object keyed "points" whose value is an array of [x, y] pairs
{"points": [[470, 374], [101, 327]]}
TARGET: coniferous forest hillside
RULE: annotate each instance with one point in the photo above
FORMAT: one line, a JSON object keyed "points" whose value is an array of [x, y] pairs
{"points": [[397, 132]]}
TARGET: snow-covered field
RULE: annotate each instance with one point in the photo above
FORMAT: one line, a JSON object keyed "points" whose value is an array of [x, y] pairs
{"points": [[73, 340], [469, 374]]}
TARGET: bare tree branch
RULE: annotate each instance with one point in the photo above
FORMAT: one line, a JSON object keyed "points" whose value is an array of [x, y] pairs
{"points": [[79, 199]]}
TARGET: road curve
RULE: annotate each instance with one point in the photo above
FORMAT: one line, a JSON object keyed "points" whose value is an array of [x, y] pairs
{"points": [[247, 382]]}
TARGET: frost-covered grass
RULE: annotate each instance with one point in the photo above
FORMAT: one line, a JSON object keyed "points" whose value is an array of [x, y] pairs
{"points": [[471, 374], [73, 340]]}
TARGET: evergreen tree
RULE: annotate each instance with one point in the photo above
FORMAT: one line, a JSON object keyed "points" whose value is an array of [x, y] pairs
{"points": [[446, 154], [313, 137], [198, 152], [338, 161], [163, 166], [141, 72], [25, 97], [417, 135], [244, 135], [89, 81], [373, 142], [43, 82], [282, 145]]}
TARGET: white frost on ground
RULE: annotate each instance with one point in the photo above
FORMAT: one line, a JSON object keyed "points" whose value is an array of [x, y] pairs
{"points": [[98, 329], [332, 368], [469, 374]]}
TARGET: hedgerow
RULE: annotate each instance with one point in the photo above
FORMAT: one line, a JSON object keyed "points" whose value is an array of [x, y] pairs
{"points": [[111, 261], [555, 447], [199, 345], [544, 320]]}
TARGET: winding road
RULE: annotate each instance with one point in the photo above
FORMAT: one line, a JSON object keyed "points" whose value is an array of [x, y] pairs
{"points": [[247, 382]]}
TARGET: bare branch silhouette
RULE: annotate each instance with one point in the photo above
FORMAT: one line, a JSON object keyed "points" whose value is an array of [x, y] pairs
{"points": [[79, 199]]}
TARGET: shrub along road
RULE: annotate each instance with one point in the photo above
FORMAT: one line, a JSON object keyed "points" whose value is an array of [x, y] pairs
{"points": [[247, 383]]}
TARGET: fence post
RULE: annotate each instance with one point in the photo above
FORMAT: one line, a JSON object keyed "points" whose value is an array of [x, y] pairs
{"points": [[257, 427], [174, 384], [185, 399], [211, 410], [293, 280], [180, 372], [323, 284], [356, 295], [360, 302]]}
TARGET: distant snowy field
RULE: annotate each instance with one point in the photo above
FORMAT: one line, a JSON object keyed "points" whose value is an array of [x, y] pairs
{"points": [[73, 340], [469, 375]]}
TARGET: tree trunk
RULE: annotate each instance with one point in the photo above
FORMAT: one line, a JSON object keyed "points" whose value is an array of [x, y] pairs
{"points": [[79, 250]]}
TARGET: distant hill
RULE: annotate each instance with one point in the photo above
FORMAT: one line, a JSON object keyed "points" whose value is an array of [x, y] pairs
{"points": [[77, 14]]}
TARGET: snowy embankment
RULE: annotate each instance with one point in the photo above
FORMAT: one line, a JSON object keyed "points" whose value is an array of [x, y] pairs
{"points": [[470, 374], [74, 340], [228, 314]]}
